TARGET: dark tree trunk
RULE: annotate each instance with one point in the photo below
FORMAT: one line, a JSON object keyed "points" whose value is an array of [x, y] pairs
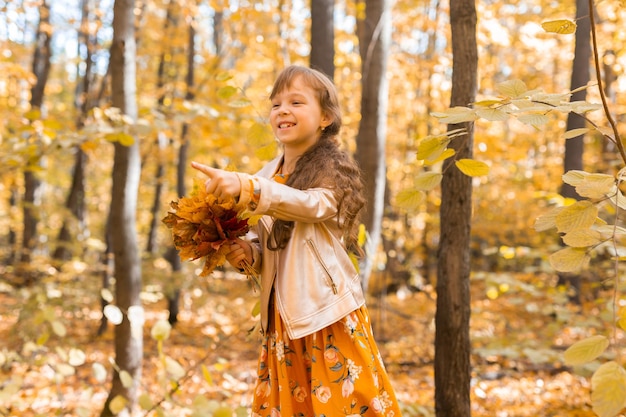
{"points": [[323, 36], [452, 341], [75, 202], [574, 147], [126, 175], [173, 298], [374, 41], [32, 184]]}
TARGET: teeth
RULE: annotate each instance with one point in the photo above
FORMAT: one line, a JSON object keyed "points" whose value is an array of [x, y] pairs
{"points": [[283, 125]]}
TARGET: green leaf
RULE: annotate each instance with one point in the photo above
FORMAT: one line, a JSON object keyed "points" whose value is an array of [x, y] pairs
{"points": [[409, 200], [472, 168], [512, 88], [581, 238], [561, 26], [580, 215], [586, 350], [426, 181], [608, 389], [226, 92], [569, 259]]}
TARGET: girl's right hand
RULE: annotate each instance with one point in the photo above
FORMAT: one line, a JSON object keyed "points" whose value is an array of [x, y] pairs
{"points": [[239, 251]]}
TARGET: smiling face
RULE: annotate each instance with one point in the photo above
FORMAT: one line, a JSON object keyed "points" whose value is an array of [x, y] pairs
{"points": [[296, 117]]}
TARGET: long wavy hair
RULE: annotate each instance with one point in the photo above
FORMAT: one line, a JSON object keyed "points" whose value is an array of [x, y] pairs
{"points": [[324, 164]]}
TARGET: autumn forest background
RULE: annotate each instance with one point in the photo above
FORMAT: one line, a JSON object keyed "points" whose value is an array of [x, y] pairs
{"points": [[103, 104]]}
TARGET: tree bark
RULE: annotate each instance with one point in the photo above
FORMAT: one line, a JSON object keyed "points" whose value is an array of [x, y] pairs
{"points": [[452, 342], [374, 42], [33, 186], [75, 202], [126, 175], [574, 147], [323, 37]]}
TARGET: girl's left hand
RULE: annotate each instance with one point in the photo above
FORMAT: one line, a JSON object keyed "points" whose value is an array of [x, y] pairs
{"points": [[222, 184]]}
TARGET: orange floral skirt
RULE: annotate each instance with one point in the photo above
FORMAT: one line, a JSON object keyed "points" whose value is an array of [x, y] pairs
{"points": [[334, 372]]}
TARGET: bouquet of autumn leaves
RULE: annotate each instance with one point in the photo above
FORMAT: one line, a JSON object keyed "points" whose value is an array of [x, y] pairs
{"points": [[202, 226]]}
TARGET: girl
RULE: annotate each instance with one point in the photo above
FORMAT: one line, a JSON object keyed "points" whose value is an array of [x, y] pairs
{"points": [[318, 356]]}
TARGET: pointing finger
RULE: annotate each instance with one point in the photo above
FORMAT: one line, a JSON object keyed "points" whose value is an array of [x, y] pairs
{"points": [[205, 169]]}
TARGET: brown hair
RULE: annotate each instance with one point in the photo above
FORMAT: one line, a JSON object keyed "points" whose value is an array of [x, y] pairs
{"points": [[324, 164]]}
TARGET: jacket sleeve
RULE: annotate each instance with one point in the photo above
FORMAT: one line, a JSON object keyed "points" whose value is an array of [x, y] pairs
{"points": [[286, 203]]}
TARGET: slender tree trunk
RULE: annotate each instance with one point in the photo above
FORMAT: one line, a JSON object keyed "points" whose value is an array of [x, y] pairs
{"points": [[33, 186], [172, 254], [452, 341], [574, 147], [126, 175], [323, 36], [374, 41], [75, 202]]}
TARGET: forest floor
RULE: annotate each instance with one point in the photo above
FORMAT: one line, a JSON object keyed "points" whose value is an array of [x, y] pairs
{"points": [[520, 325]]}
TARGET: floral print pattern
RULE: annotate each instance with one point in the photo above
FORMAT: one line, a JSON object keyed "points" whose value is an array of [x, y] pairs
{"points": [[335, 372]]}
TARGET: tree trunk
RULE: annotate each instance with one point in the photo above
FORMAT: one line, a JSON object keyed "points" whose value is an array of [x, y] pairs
{"points": [[374, 41], [573, 159], [75, 202], [32, 184], [452, 341], [172, 256], [323, 36], [574, 147], [126, 175]]}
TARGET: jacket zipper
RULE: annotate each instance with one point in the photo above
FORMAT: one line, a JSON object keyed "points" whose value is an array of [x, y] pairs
{"points": [[319, 259]]}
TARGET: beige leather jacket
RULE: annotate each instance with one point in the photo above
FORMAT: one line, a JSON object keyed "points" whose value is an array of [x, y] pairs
{"points": [[314, 280]]}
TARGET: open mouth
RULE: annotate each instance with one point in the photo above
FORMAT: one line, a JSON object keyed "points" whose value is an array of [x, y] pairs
{"points": [[285, 125]]}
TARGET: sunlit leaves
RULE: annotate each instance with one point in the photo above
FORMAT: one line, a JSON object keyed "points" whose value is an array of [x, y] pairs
{"points": [[456, 115], [590, 185], [118, 404], [582, 238], [574, 133], [99, 372], [410, 200], [561, 26], [472, 168], [569, 259], [586, 350], [608, 389], [432, 147], [126, 379], [580, 215], [161, 330], [512, 88], [426, 181], [201, 225]]}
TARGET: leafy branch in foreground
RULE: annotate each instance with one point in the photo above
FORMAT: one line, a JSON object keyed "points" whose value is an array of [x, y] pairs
{"points": [[579, 223]]}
